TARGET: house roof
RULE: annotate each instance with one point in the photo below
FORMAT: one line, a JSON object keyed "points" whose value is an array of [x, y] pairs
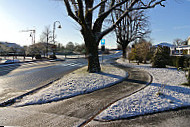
{"points": [[165, 44]]}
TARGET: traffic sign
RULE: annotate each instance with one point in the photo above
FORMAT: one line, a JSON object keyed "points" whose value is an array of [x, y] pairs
{"points": [[103, 42]]}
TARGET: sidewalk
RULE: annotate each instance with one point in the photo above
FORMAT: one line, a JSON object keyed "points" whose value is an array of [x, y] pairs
{"points": [[31, 118]]}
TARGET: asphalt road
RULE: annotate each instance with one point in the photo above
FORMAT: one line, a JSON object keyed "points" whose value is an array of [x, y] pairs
{"points": [[21, 77]]}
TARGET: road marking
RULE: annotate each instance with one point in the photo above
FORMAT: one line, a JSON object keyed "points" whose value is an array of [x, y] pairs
{"points": [[73, 64], [26, 67], [34, 65]]}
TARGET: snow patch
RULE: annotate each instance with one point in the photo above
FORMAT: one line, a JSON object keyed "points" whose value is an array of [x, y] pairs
{"points": [[164, 93], [78, 82], [1, 90]]}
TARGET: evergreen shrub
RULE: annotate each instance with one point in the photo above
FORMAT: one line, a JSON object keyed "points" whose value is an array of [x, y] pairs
{"points": [[160, 57]]}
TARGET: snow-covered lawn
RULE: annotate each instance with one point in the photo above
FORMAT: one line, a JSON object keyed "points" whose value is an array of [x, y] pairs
{"points": [[148, 101], [76, 83]]}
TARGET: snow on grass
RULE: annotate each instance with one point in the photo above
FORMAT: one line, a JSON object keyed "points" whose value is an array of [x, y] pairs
{"points": [[76, 83], [164, 93], [1, 90]]}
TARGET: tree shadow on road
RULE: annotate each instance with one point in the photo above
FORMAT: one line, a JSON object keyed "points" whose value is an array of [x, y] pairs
{"points": [[112, 75], [136, 81], [6, 69]]}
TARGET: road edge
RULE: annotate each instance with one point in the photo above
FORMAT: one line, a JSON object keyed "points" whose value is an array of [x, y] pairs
{"points": [[11, 101]]}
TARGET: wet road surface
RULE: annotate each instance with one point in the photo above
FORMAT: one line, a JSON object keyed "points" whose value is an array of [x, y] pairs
{"points": [[21, 77]]}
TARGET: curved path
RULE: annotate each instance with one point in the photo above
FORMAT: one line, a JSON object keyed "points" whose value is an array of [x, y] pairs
{"points": [[136, 81], [82, 108]]}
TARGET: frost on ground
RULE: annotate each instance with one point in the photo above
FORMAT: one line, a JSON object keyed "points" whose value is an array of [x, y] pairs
{"points": [[78, 82], [165, 81]]}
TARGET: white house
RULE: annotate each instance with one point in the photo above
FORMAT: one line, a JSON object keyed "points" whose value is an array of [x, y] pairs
{"points": [[183, 49], [164, 44]]}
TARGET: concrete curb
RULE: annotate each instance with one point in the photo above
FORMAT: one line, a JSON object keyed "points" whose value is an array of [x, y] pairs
{"points": [[11, 101]]}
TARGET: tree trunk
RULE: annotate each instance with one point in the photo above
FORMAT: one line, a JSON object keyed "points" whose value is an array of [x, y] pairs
{"points": [[124, 51], [188, 76], [145, 61], [93, 60], [92, 52]]}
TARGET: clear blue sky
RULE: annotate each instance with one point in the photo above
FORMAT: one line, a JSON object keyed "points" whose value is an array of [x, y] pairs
{"points": [[167, 23], [170, 22]]}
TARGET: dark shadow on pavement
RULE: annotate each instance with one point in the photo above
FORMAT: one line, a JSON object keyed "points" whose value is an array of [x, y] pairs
{"points": [[4, 70], [111, 75], [136, 81]]}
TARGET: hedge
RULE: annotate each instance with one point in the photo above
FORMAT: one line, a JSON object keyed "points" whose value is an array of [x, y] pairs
{"points": [[179, 61]]}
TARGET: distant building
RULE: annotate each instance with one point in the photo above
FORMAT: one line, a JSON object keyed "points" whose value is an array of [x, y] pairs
{"points": [[8, 44], [183, 49], [165, 44], [10, 48]]}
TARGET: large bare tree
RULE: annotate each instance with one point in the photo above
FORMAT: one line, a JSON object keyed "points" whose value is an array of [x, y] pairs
{"points": [[132, 27], [84, 11]]}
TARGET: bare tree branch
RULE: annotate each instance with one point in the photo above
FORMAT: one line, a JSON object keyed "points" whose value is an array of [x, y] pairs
{"points": [[74, 3], [69, 11], [125, 14], [102, 15], [98, 5], [81, 11]]}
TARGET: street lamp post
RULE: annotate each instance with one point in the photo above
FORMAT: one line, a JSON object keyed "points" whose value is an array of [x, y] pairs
{"points": [[32, 34], [33, 40], [54, 50]]}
